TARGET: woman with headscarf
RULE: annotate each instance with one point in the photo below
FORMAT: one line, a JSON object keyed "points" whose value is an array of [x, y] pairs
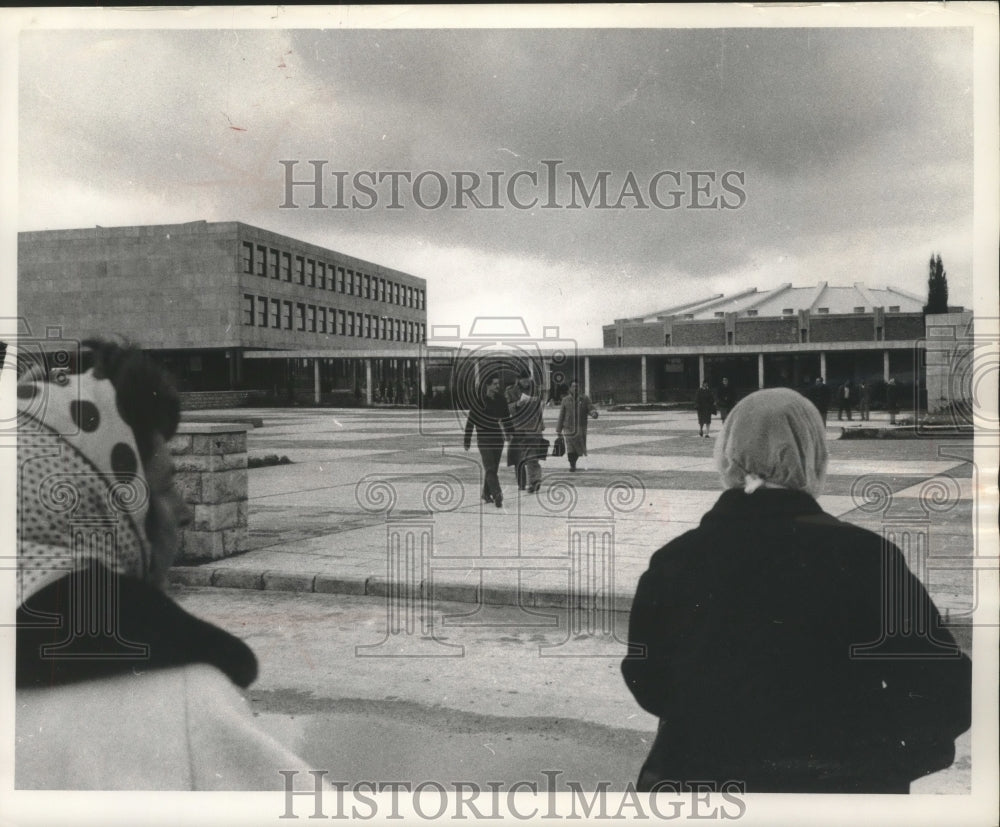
{"points": [[118, 688], [760, 639]]}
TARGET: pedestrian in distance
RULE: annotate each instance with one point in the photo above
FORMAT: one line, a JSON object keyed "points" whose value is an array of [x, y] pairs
{"points": [[725, 398], [760, 639], [892, 399], [820, 397], [512, 393], [557, 390], [574, 412], [864, 401], [119, 688], [704, 405], [529, 424], [489, 416], [845, 400]]}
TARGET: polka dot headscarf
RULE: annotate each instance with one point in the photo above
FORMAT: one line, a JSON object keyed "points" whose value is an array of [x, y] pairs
{"points": [[82, 495]]}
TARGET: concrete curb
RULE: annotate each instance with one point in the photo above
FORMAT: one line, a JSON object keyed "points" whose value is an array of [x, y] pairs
{"points": [[545, 598], [266, 580]]}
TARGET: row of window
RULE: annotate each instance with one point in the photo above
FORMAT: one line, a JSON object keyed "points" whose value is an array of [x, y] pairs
{"points": [[788, 311], [283, 266], [280, 314]]}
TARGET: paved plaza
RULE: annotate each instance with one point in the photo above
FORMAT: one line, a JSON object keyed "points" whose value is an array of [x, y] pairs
{"points": [[380, 499], [385, 502]]}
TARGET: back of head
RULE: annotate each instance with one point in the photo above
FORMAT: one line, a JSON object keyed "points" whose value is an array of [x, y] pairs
{"points": [[774, 437]]}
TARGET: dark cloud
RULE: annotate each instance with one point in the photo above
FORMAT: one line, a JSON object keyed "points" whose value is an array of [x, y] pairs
{"points": [[834, 131]]}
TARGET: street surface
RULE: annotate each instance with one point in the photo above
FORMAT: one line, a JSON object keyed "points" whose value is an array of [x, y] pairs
{"points": [[505, 694], [494, 710]]}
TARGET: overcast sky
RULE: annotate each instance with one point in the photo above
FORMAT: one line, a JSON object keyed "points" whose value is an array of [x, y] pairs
{"points": [[849, 154]]}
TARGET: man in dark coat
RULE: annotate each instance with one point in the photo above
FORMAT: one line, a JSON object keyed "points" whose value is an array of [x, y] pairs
{"points": [[864, 400], [725, 399], [763, 639], [820, 397], [490, 417], [845, 400], [704, 404]]}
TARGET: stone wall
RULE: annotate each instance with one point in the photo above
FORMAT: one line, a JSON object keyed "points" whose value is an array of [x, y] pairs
{"points": [[210, 460], [951, 365]]}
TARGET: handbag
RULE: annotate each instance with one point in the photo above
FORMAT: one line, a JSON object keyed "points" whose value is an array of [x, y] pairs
{"points": [[559, 449], [543, 448]]}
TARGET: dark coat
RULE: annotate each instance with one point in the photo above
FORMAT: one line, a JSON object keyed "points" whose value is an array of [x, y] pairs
{"points": [[892, 398], [748, 622], [725, 396], [820, 396], [490, 418], [704, 402]]}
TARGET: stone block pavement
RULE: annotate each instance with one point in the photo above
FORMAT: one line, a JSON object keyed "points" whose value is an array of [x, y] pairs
{"points": [[385, 501]]}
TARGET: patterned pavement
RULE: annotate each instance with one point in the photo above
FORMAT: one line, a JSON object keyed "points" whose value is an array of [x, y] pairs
{"points": [[374, 497]]}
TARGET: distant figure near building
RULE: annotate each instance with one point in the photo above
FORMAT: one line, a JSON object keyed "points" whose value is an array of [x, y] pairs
{"points": [[748, 634], [725, 399], [864, 400], [556, 393], [572, 423], [820, 397], [892, 400], [704, 404], [489, 415], [845, 400]]}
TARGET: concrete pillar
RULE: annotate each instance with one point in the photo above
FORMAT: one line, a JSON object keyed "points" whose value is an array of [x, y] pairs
{"points": [[701, 370], [885, 365], [368, 381], [822, 365], [316, 381], [760, 370], [422, 367], [586, 375], [643, 373]]}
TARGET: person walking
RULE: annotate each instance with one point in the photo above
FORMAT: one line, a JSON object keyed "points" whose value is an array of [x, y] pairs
{"points": [[864, 401], [512, 393], [892, 399], [755, 637], [489, 416], [704, 404], [821, 397], [575, 410], [725, 398], [845, 400], [528, 427], [117, 686]]}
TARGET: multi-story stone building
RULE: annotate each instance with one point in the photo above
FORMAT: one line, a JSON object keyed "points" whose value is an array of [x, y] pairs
{"points": [[201, 295]]}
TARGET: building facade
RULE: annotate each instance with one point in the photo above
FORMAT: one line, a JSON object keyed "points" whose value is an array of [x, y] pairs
{"points": [[787, 336], [231, 308], [200, 295]]}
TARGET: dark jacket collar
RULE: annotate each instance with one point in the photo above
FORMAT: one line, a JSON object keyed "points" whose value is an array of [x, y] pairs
{"points": [[137, 628], [762, 504]]}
